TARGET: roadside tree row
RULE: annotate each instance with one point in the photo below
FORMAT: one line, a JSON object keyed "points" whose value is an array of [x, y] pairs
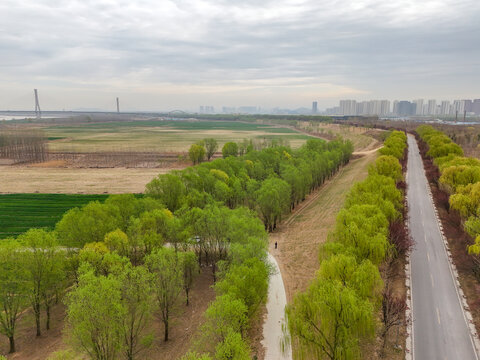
{"points": [[339, 308]]}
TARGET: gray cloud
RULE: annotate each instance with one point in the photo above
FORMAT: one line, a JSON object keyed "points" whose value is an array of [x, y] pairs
{"points": [[166, 54]]}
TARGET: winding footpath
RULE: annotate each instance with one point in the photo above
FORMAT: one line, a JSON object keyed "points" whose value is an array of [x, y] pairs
{"points": [[272, 327], [442, 327]]}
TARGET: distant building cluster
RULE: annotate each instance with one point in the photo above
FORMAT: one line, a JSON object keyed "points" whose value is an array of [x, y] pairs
{"points": [[206, 109], [419, 107]]}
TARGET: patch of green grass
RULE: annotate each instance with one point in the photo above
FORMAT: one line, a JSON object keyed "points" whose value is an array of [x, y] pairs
{"points": [[158, 135], [115, 126], [20, 212]]}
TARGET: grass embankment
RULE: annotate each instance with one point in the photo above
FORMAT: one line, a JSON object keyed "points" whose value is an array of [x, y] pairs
{"points": [[307, 227], [20, 212], [161, 136]]}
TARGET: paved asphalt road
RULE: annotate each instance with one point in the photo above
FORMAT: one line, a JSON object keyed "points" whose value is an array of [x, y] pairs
{"points": [[440, 330]]}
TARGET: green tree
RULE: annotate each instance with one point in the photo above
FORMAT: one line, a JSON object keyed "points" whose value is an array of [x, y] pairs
{"points": [[127, 206], [273, 200], [101, 260], [364, 278], [328, 320], [455, 176], [388, 166], [169, 189], [95, 316], [39, 261], [196, 356], [189, 265], [233, 348], [247, 282], [196, 153], [230, 149], [211, 146], [13, 289], [136, 296], [117, 241], [167, 282], [86, 225], [223, 315]]}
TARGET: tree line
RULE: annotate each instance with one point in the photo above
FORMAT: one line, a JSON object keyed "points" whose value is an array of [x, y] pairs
{"points": [[460, 177], [116, 263], [23, 145], [339, 309]]}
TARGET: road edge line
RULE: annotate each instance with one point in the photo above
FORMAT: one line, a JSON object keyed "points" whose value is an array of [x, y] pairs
{"points": [[409, 354]]}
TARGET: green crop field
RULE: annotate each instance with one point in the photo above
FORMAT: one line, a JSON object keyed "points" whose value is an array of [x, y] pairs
{"points": [[157, 135], [20, 212]]}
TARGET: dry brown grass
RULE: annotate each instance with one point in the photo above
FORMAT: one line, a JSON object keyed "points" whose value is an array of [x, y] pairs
{"points": [[28, 179]]}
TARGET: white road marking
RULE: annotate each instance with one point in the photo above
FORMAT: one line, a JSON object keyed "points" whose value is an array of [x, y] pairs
{"points": [[428, 257], [431, 279], [438, 315]]}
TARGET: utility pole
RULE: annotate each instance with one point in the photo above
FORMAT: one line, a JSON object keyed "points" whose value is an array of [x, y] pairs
{"points": [[118, 106], [38, 112]]}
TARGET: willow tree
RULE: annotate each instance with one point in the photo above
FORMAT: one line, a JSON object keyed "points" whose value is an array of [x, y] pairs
{"points": [[329, 320]]}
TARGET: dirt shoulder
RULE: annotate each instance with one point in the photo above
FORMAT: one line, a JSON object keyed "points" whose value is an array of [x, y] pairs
{"points": [[300, 235]]}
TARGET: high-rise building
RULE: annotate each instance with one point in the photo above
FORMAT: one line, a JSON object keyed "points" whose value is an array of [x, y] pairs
{"points": [[476, 106], [445, 107], [419, 106], [432, 107], [425, 109], [248, 109], [458, 107], [395, 107], [384, 107], [406, 108], [314, 107], [348, 107], [228, 109], [468, 106]]}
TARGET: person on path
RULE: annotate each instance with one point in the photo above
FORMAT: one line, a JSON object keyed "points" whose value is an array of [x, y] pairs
{"points": [[275, 245]]}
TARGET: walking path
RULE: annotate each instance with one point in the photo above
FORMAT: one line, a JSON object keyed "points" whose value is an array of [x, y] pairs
{"points": [[272, 328]]}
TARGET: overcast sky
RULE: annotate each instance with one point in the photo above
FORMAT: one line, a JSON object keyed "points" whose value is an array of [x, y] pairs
{"points": [[163, 55]]}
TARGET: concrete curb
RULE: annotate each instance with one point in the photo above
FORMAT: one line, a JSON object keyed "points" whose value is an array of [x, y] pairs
{"points": [[408, 275]]}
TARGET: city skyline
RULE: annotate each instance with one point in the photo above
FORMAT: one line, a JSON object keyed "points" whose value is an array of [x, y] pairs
{"points": [[419, 107], [180, 54]]}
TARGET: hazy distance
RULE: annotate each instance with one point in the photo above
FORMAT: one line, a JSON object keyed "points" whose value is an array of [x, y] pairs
{"points": [[164, 55]]}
